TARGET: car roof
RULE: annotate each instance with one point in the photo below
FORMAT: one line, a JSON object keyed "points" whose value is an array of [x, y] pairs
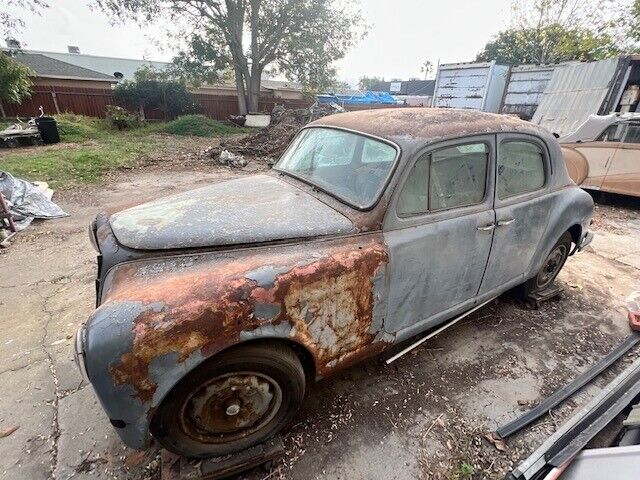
{"points": [[425, 125]]}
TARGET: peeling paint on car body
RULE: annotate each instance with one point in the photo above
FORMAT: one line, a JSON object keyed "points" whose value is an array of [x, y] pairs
{"points": [[175, 288]]}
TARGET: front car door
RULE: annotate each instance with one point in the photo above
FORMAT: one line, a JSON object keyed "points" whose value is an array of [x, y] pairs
{"points": [[623, 174], [438, 229], [522, 205]]}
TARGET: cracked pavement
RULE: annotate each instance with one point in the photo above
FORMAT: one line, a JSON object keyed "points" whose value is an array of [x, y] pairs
{"points": [[369, 422]]}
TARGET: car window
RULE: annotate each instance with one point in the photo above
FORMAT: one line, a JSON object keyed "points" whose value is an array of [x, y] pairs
{"points": [[348, 165], [458, 176], [613, 133], [414, 197], [633, 133], [520, 168]]}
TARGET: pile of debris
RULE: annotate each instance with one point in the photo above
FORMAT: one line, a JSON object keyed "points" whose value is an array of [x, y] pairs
{"points": [[270, 142]]}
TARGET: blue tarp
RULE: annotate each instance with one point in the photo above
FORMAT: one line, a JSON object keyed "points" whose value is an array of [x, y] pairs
{"points": [[367, 98]]}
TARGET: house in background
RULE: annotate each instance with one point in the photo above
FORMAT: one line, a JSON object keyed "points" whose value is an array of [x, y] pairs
{"points": [[60, 86], [418, 93], [118, 68]]}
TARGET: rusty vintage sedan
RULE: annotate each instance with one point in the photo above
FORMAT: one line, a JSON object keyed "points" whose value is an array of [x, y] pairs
{"points": [[217, 307]]}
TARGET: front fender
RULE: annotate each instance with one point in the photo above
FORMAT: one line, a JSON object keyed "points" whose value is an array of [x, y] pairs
{"points": [[572, 206], [161, 318]]}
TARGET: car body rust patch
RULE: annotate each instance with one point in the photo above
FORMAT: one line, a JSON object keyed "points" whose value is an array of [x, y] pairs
{"points": [[325, 297]]}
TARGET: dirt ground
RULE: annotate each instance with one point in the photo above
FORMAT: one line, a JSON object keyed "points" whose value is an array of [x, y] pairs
{"points": [[425, 416]]}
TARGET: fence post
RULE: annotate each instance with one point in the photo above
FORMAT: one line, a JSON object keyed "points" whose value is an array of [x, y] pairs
{"points": [[55, 102], [2, 112]]}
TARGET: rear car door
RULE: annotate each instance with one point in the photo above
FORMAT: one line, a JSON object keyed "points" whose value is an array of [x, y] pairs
{"points": [[438, 230], [623, 174], [599, 154], [522, 205]]}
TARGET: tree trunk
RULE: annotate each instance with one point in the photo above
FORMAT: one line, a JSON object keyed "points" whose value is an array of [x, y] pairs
{"points": [[2, 112], [254, 89], [242, 95]]}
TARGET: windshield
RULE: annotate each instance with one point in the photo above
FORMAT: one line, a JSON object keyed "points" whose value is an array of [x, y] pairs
{"points": [[347, 165]]}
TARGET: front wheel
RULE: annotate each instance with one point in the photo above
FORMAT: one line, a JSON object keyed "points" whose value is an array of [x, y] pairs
{"points": [[551, 266], [239, 399]]}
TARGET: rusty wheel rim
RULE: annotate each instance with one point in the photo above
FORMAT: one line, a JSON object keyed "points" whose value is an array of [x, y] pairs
{"points": [[230, 407], [552, 266]]}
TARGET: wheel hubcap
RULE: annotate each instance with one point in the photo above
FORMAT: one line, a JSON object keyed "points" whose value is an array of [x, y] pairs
{"points": [[230, 407], [552, 266]]}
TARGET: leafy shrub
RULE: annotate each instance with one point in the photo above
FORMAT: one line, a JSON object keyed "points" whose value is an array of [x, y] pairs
{"points": [[122, 119], [199, 126]]}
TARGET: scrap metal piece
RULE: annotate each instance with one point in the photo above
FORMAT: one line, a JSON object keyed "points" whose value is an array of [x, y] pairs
{"points": [[175, 467], [570, 389], [536, 298], [561, 447]]}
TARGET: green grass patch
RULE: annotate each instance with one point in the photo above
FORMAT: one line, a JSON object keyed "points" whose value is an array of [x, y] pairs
{"points": [[63, 167], [200, 126]]}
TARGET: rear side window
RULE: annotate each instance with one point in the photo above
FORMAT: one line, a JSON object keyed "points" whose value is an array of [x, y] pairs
{"points": [[613, 133], [520, 168], [447, 178], [633, 133]]}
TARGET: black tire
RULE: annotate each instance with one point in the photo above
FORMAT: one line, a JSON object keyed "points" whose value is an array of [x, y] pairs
{"points": [[201, 416], [551, 267], [12, 143]]}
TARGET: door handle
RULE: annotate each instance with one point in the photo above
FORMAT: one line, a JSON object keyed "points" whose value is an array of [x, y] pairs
{"points": [[503, 223], [487, 228]]}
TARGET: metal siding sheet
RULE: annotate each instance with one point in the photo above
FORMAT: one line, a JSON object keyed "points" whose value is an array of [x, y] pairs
{"points": [[575, 91], [525, 89]]}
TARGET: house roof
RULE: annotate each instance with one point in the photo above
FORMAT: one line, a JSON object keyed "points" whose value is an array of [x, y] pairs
{"points": [[406, 87], [105, 65], [47, 67]]}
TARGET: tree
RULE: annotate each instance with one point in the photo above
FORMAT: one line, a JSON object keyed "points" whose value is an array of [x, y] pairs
{"points": [[11, 24], [369, 83], [300, 38], [153, 89], [550, 44], [544, 31], [15, 84], [426, 68]]}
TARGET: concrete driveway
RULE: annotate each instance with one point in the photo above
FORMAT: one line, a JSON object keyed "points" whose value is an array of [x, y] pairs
{"points": [[425, 416]]}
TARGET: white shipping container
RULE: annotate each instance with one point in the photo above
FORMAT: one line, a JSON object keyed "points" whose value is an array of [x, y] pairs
{"points": [[476, 86]]}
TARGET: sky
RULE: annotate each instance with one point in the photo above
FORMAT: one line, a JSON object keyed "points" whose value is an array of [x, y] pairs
{"points": [[403, 34]]}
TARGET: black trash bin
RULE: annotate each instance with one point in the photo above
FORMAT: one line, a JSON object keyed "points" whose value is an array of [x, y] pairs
{"points": [[48, 129]]}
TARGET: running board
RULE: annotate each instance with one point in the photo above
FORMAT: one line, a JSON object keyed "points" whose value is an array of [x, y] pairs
{"points": [[450, 323]]}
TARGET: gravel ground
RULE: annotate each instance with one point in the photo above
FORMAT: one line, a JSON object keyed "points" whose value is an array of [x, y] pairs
{"points": [[428, 415]]}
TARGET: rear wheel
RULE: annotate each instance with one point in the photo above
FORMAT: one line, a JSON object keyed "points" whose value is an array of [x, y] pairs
{"points": [[551, 266], [12, 142], [240, 398]]}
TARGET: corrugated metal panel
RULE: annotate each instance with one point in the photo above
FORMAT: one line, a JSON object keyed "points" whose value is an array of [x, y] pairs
{"points": [[575, 91], [476, 86], [525, 89]]}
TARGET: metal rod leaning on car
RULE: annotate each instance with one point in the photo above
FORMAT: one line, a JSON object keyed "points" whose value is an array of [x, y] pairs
{"points": [[568, 390], [450, 323]]}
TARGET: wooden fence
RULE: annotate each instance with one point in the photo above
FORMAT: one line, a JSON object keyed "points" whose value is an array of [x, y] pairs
{"points": [[93, 102]]}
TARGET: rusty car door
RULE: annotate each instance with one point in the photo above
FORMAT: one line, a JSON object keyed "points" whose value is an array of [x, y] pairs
{"points": [[522, 205], [438, 229], [623, 174]]}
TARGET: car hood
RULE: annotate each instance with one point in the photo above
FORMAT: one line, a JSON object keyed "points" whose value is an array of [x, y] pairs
{"points": [[254, 209]]}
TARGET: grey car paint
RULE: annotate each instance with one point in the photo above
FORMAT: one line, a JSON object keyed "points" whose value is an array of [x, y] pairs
{"points": [[427, 268], [259, 208]]}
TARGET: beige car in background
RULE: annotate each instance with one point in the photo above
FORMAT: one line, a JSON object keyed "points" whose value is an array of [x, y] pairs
{"points": [[604, 154]]}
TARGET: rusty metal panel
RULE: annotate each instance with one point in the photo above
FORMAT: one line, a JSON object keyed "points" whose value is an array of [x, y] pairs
{"points": [[574, 92], [525, 89], [259, 208]]}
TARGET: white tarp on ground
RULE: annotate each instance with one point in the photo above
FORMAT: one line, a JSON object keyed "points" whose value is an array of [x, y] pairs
{"points": [[27, 201]]}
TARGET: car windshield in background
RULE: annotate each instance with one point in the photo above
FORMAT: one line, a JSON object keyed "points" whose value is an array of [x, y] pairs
{"points": [[350, 166]]}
